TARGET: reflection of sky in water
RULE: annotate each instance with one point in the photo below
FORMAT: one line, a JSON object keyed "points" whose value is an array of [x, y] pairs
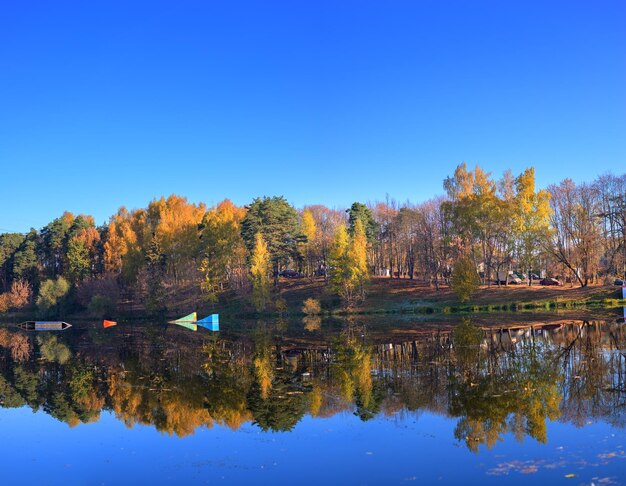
{"points": [[408, 448], [484, 379]]}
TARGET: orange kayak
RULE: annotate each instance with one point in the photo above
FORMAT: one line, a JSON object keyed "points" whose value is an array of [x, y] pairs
{"points": [[109, 323]]}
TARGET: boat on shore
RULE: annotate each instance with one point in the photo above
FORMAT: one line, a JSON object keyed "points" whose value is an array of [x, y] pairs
{"points": [[191, 321], [44, 325], [193, 317], [212, 322], [187, 325], [188, 322]]}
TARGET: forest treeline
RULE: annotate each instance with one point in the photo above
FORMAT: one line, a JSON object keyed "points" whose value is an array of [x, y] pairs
{"points": [[483, 225]]}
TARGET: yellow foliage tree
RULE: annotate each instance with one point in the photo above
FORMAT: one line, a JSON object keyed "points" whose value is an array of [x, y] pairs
{"points": [[348, 261], [222, 248], [338, 259], [357, 257], [316, 399], [532, 218], [174, 221], [127, 235], [309, 230], [260, 273]]}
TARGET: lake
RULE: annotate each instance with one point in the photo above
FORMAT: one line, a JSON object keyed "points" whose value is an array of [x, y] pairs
{"points": [[541, 399]]}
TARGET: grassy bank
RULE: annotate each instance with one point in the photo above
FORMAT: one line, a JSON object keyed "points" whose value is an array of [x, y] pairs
{"points": [[385, 296], [402, 296]]}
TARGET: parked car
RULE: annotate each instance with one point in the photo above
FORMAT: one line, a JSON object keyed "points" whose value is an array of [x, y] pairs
{"points": [[503, 277], [289, 273], [619, 281], [534, 276], [521, 276], [550, 281]]}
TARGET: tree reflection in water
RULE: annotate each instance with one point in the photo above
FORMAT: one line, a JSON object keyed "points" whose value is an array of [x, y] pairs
{"points": [[515, 391], [493, 381]]}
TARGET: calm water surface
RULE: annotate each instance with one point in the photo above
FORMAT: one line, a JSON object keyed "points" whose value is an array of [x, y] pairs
{"points": [[310, 402]]}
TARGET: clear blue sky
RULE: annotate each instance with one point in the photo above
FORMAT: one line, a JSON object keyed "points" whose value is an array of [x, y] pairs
{"points": [[110, 103]]}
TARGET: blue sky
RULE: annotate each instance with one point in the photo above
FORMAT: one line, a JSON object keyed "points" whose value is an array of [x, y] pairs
{"points": [[108, 103]]}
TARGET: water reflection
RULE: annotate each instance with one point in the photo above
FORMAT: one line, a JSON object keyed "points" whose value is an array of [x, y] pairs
{"points": [[492, 382]]}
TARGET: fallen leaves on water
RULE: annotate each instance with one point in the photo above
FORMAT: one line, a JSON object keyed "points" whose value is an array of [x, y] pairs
{"points": [[605, 480], [522, 467], [609, 455]]}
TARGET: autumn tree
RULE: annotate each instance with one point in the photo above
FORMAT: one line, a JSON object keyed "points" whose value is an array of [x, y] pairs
{"points": [[475, 210], [174, 222], [610, 191], [326, 223], [531, 219], [260, 267], [338, 261], [385, 256], [497, 223], [20, 294], [433, 241], [411, 240], [309, 230], [465, 280], [114, 245], [348, 262], [51, 294], [357, 259], [156, 264], [127, 235], [504, 237], [222, 249], [83, 253], [263, 364], [407, 225], [576, 229], [353, 371]]}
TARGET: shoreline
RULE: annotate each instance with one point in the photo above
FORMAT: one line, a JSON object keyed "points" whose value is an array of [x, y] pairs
{"points": [[385, 297]]}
